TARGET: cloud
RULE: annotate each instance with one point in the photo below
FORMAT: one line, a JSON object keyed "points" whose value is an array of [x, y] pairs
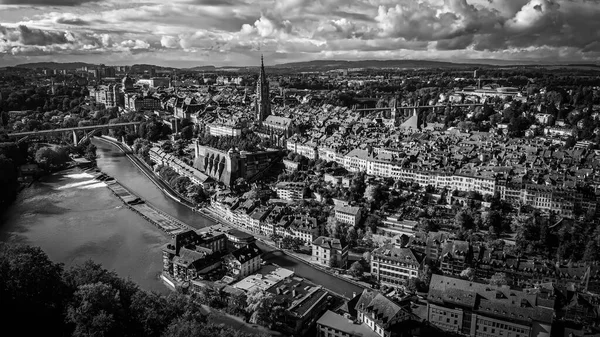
{"points": [[169, 42], [233, 31], [135, 44], [33, 37], [72, 21], [47, 2]]}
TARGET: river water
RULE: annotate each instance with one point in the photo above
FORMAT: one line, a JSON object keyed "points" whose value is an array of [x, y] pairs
{"points": [[74, 218]]}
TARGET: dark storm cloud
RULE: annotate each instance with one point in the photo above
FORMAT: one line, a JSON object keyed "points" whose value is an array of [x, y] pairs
{"points": [[72, 21], [47, 2], [32, 37]]}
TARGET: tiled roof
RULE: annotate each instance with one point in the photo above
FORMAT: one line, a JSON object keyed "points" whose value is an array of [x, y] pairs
{"points": [[340, 323], [501, 302], [246, 253], [328, 243]]}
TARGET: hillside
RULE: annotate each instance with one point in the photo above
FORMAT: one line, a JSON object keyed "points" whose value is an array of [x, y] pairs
{"points": [[55, 65]]}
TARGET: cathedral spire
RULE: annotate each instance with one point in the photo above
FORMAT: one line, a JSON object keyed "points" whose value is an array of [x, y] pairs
{"points": [[263, 103]]}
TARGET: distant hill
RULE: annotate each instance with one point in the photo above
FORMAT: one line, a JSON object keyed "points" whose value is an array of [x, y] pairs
{"points": [[376, 64], [203, 68], [55, 65]]}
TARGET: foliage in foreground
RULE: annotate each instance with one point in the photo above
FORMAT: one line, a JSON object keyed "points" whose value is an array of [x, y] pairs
{"points": [[39, 296]]}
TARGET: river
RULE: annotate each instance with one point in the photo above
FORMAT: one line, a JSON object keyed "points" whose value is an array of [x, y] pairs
{"points": [[73, 218]]}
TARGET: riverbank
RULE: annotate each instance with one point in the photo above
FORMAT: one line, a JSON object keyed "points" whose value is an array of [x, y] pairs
{"points": [[74, 218], [147, 171], [207, 211], [301, 266]]}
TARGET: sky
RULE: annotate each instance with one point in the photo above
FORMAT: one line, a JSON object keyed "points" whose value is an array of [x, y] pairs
{"points": [[188, 33]]}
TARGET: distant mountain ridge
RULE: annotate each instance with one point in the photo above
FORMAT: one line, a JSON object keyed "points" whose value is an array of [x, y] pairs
{"points": [[325, 65], [55, 65]]}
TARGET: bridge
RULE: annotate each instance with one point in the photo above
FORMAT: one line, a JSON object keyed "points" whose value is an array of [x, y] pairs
{"points": [[421, 107], [94, 129]]}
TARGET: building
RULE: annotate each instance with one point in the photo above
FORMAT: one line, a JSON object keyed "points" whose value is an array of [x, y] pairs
{"points": [[264, 279], [159, 157], [334, 325], [290, 190], [347, 214], [290, 165], [243, 261], [127, 84], [135, 102], [393, 225], [307, 149], [477, 309], [304, 302], [277, 125], [456, 257], [383, 316], [191, 255], [394, 266], [329, 252], [154, 82], [262, 102], [224, 130], [109, 95], [227, 166]]}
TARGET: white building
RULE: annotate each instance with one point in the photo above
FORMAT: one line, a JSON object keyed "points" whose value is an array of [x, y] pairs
{"points": [[347, 214]]}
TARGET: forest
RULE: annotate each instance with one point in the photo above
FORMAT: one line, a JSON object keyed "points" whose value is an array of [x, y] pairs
{"points": [[43, 297]]}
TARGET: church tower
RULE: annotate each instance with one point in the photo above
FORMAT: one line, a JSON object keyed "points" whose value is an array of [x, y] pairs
{"points": [[262, 103]]}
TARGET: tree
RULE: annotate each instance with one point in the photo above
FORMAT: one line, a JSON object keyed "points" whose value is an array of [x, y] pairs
{"points": [[367, 257], [468, 273], [236, 304], [90, 152], [464, 220], [96, 311], [154, 311], [167, 146], [187, 132], [260, 304], [498, 279], [334, 227], [51, 159], [351, 237], [31, 289], [592, 252], [356, 269], [8, 180], [196, 193]]}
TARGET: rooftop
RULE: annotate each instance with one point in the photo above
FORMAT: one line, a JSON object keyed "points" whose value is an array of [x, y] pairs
{"points": [[338, 322]]}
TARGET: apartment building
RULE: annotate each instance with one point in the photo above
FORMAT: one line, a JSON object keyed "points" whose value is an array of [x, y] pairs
{"points": [[305, 148], [382, 315], [159, 157], [220, 130], [348, 214], [477, 309], [290, 190], [456, 257], [329, 252], [394, 266], [243, 261]]}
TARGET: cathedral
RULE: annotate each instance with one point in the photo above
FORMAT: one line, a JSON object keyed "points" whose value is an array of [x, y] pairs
{"points": [[262, 102]]}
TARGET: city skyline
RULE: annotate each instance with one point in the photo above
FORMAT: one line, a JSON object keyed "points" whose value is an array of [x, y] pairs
{"points": [[187, 33]]}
